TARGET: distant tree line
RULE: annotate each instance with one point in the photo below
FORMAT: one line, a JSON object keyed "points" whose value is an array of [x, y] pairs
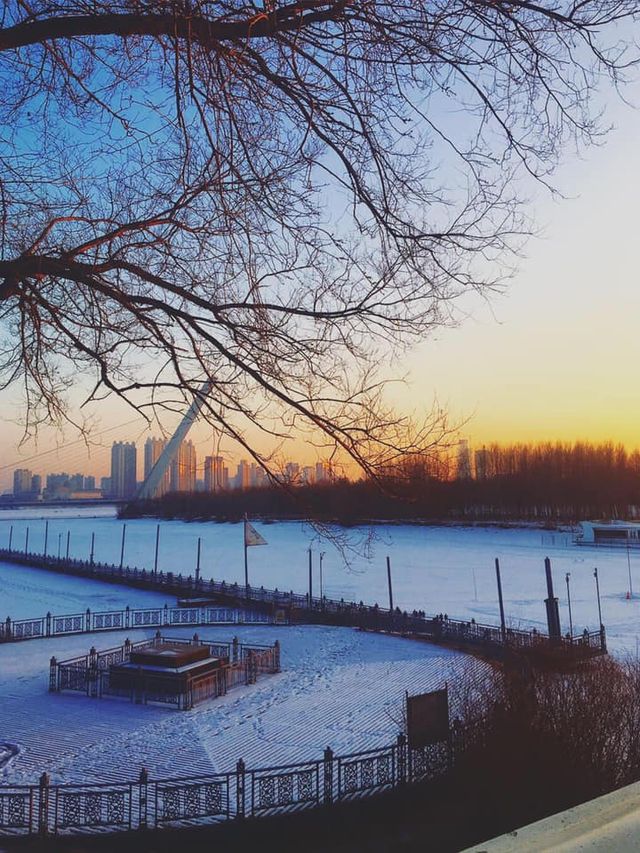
{"points": [[545, 482]]}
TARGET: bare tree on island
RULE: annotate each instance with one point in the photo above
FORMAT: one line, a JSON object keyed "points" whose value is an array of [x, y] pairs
{"points": [[272, 198]]}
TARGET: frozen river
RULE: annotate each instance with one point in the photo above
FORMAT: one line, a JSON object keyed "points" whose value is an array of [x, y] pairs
{"points": [[436, 569], [338, 686]]}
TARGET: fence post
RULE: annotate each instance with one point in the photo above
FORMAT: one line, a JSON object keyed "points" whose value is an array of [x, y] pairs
{"points": [[276, 656], [234, 649], [53, 673], [47, 624], [127, 616], [7, 628], [143, 785], [43, 805], [166, 614], [87, 621], [92, 673], [327, 777], [401, 750], [240, 789]]}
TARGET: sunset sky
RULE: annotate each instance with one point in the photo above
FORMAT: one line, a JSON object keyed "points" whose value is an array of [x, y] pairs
{"points": [[557, 356]]}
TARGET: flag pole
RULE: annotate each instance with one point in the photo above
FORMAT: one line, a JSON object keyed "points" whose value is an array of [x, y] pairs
{"points": [[246, 562]]}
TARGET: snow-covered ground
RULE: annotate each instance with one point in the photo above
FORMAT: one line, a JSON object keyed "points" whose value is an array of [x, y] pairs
{"points": [[436, 569], [339, 687]]}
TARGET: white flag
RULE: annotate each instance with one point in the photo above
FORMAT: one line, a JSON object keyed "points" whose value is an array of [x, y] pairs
{"points": [[251, 536]]}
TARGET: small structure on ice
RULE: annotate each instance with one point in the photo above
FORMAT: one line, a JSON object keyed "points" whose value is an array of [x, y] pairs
{"points": [[171, 671]]}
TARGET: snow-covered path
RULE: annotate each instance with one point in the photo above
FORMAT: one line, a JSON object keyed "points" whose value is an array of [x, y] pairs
{"points": [[339, 687]]}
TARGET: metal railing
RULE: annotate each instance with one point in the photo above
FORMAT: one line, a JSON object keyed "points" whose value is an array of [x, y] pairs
{"points": [[50, 625], [253, 604], [46, 809], [90, 674]]}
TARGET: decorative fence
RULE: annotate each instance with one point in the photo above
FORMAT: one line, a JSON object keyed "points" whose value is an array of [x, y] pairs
{"points": [[47, 809], [90, 673], [253, 604], [12, 630]]}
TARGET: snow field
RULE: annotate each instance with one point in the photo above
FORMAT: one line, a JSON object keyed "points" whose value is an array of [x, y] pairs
{"points": [[339, 687]]}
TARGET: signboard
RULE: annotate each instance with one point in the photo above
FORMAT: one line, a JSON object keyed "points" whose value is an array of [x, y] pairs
{"points": [[427, 718]]}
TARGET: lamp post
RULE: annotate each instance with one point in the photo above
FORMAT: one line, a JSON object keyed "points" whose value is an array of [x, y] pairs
{"points": [[595, 574], [567, 577], [310, 579], [59, 541], [322, 553], [629, 567]]}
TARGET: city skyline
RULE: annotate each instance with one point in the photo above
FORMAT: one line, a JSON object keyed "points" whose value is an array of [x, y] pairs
{"points": [[181, 476]]}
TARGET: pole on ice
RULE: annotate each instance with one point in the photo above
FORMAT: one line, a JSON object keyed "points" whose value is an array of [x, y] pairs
{"points": [[551, 602], [124, 533], [155, 560], [503, 624]]}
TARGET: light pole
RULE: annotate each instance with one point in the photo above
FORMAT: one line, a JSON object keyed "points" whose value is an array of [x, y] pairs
{"points": [[629, 567], [59, 541], [595, 574], [322, 553], [567, 577]]}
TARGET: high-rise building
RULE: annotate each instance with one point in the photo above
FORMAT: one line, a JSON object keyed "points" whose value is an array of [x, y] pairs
{"points": [[153, 447], [182, 471], [105, 486], [308, 475], [22, 481], [257, 476], [322, 472], [76, 483], [463, 462], [123, 470], [481, 459], [216, 476], [243, 475], [36, 485], [292, 472], [89, 484], [57, 485]]}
